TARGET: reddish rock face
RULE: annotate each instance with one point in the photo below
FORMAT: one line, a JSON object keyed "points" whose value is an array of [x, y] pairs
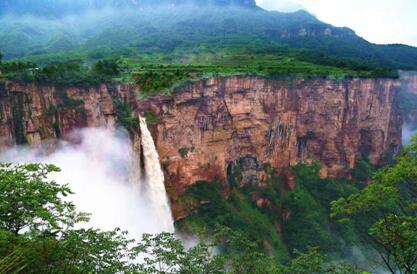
{"points": [[206, 126], [33, 114], [277, 122]]}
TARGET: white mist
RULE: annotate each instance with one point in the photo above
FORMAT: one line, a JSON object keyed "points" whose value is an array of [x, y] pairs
{"points": [[408, 133], [102, 170]]}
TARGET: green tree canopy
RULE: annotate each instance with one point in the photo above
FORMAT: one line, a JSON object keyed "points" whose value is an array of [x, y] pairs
{"points": [[40, 233], [390, 203]]}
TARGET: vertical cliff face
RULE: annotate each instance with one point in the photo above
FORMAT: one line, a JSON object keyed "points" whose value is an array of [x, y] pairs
{"points": [[210, 124], [208, 127], [38, 114]]}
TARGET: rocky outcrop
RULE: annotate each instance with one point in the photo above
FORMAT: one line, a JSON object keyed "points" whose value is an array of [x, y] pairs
{"points": [[210, 127], [219, 121], [40, 114]]}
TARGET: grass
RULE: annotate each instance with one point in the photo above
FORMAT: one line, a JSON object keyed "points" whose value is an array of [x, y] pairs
{"points": [[160, 72]]}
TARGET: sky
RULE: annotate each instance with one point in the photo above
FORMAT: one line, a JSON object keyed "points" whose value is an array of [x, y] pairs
{"points": [[378, 21]]}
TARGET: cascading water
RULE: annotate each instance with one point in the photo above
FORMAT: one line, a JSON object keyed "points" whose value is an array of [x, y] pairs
{"points": [[103, 172], [154, 178]]}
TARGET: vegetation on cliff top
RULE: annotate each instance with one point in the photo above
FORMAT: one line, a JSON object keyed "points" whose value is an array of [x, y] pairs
{"points": [[169, 45], [61, 74], [159, 76]]}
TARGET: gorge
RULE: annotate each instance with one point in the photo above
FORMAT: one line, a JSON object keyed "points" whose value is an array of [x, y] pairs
{"points": [[206, 137], [207, 126]]}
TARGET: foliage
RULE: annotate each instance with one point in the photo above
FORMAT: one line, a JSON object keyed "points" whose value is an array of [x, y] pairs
{"points": [[106, 68], [151, 82], [13, 263], [309, 206], [184, 152], [165, 254], [198, 32], [363, 170], [389, 202], [314, 262], [62, 74], [37, 233], [398, 236], [302, 214], [124, 114], [35, 204], [151, 119], [208, 208]]}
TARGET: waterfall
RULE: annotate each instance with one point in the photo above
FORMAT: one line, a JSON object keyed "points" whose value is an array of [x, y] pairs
{"points": [[154, 179], [104, 172]]}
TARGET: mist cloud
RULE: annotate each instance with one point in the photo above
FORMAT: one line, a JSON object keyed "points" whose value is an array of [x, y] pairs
{"points": [[103, 172], [408, 133]]}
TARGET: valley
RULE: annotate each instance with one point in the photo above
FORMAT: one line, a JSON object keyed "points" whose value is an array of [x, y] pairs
{"points": [[245, 140]]}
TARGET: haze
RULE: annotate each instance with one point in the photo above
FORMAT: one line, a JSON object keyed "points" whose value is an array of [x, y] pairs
{"points": [[379, 21]]}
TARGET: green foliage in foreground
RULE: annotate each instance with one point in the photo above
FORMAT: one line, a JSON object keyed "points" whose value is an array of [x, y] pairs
{"points": [[309, 223], [212, 209], [390, 205], [286, 222], [38, 234]]}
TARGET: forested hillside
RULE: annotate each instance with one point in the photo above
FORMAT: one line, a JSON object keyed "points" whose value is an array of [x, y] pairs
{"points": [[183, 32]]}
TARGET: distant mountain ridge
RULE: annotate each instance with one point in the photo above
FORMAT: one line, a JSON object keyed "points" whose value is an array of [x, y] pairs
{"points": [[166, 27], [59, 7]]}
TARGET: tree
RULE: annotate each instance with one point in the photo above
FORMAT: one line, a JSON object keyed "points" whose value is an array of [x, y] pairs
{"points": [[313, 261], [242, 257], [164, 254], [29, 202], [390, 203], [106, 68], [37, 233]]}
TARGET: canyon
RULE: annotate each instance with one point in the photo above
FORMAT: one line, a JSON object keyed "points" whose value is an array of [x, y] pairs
{"points": [[208, 127]]}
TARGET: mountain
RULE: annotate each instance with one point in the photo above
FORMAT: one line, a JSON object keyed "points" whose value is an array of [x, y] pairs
{"points": [[60, 7], [182, 30], [254, 120], [237, 134]]}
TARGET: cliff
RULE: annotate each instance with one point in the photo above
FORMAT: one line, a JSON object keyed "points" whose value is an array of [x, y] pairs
{"points": [[209, 125]]}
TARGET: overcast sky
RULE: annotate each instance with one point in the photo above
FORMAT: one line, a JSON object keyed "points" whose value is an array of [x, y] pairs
{"points": [[378, 21]]}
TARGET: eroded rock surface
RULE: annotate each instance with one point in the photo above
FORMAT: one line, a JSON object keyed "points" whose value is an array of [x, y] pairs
{"points": [[209, 124]]}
